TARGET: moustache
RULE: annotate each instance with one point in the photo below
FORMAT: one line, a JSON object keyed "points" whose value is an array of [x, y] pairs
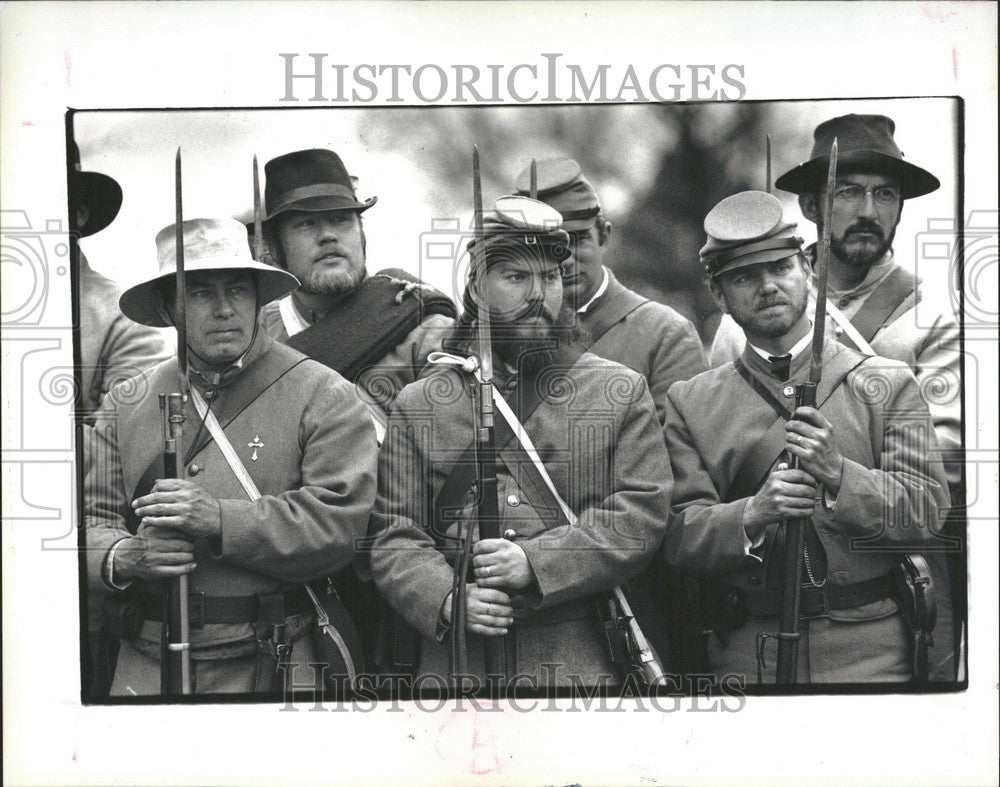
{"points": [[865, 226], [531, 316]]}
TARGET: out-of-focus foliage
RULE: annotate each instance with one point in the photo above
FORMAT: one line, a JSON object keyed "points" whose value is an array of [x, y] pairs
{"points": [[657, 168]]}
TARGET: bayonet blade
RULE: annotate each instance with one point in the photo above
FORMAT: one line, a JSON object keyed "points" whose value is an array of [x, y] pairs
{"points": [[479, 266], [180, 302], [534, 180], [767, 157], [822, 268], [258, 230]]}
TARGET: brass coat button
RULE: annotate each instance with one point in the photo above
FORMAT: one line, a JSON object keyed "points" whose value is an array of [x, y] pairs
{"points": [[513, 500], [194, 470]]}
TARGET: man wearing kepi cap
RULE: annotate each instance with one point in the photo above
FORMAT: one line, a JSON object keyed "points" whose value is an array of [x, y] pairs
{"points": [[592, 425], [297, 429], [622, 326], [649, 337], [358, 324], [870, 477], [877, 305]]}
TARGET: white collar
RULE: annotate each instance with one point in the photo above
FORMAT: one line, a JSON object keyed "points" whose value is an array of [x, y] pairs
{"points": [[293, 321], [799, 346], [600, 291]]}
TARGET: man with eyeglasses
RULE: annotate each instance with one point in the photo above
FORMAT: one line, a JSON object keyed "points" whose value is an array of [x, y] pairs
{"points": [[873, 303]]}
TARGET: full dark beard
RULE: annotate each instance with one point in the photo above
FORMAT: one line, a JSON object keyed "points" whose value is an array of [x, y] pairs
{"points": [[862, 256], [532, 354]]}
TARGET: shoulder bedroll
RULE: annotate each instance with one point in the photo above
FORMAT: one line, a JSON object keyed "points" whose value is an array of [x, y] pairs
{"points": [[366, 325]]}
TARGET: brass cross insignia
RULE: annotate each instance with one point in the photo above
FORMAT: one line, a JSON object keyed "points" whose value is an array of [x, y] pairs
{"points": [[255, 444]]}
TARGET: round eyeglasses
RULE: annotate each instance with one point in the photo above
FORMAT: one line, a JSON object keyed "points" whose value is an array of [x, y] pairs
{"points": [[883, 195]]}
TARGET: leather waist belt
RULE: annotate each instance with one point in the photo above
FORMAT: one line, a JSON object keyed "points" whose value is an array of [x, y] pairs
{"points": [[572, 610], [205, 610], [817, 602]]}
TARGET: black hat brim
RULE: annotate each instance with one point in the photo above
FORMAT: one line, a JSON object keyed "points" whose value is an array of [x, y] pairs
{"points": [[806, 178], [323, 203], [101, 194]]}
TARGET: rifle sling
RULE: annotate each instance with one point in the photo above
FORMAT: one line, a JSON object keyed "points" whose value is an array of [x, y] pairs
{"points": [[242, 392], [450, 500]]}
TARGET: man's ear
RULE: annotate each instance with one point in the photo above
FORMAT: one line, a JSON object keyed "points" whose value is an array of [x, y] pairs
{"points": [[718, 295], [809, 207], [606, 236]]}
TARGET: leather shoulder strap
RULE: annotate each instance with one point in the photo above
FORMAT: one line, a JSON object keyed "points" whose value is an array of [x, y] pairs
{"points": [[450, 499], [766, 452], [883, 301], [259, 376]]}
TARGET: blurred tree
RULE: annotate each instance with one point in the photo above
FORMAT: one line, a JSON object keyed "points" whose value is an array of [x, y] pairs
{"points": [[718, 149], [659, 168]]}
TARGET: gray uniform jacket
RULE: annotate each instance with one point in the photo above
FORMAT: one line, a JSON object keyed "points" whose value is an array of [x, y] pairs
{"points": [[596, 431]]}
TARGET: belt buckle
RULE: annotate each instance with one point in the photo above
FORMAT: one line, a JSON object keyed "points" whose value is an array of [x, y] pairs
{"points": [[196, 610], [811, 611]]}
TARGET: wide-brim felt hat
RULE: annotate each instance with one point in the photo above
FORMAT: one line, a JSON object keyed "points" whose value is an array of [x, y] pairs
{"points": [[209, 245], [865, 143], [310, 180], [99, 192]]}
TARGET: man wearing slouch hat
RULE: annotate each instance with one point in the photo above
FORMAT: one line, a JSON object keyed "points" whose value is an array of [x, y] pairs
{"points": [[296, 429], [875, 304], [360, 325]]}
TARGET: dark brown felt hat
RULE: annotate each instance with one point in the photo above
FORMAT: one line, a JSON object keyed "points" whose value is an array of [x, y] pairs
{"points": [[865, 143], [310, 180]]}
